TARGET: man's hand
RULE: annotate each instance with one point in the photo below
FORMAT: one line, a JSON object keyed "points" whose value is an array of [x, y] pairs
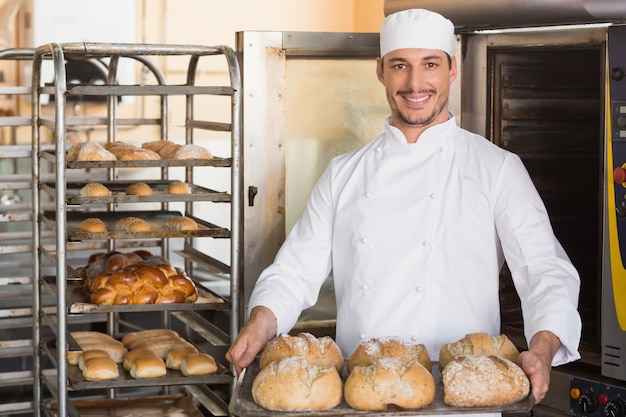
{"points": [[537, 362], [259, 330]]}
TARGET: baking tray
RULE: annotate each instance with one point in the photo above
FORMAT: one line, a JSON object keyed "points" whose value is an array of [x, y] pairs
{"points": [[118, 193], [178, 405], [76, 382], [156, 219], [242, 404], [78, 303]]}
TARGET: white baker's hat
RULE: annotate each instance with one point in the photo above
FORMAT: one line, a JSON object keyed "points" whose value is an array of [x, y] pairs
{"points": [[416, 28]]}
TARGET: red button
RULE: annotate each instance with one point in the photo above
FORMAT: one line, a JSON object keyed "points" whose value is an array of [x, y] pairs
{"points": [[619, 175], [603, 399]]}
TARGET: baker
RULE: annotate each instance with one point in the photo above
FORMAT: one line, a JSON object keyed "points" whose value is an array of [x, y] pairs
{"points": [[416, 225]]}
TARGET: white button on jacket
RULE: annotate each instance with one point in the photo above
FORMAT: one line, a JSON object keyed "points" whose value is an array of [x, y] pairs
{"points": [[450, 248]]}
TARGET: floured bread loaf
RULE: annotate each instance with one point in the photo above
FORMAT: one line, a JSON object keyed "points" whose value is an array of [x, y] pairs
{"points": [[389, 347], [321, 351], [389, 382], [478, 344], [294, 384], [481, 380], [89, 151]]}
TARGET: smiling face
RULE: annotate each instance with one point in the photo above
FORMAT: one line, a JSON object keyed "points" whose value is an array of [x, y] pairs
{"points": [[417, 84]]}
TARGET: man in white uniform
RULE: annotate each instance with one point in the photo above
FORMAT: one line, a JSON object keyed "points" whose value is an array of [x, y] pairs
{"points": [[416, 225]]}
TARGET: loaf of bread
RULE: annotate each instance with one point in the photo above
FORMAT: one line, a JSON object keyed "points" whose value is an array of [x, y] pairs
{"points": [[133, 224], [178, 187], [139, 188], [196, 364], [389, 382], [92, 340], [89, 151], [175, 356], [94, 189], [148, 367], [482, 380], [389, 347], [191, 152], [181, 223], [322, 351], [127, 152], [294, 384], [133, 354], [478, 344], [100, 369], [92, 225], [96, 353], [157, 145], [135, 278]]}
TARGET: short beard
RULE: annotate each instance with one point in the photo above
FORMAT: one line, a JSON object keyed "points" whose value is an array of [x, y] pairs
{"points": [[424, 121]]}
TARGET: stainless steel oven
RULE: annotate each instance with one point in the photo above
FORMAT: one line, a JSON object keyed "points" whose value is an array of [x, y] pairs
{"points": [[543, 80]]}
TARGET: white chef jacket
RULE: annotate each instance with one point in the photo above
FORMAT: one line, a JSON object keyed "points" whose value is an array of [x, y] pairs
{"points": [[415, 236]]}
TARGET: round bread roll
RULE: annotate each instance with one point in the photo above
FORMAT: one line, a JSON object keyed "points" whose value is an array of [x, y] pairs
{"points": [[478, 344], [133, 224], [181, 223], [148, 367], [178, 187], [195, 364], [94, 189], [321, 351], [100, 369], [389, 347], [389, 382], [139, 188], [92, 225], [294, 384], [481, 380]]}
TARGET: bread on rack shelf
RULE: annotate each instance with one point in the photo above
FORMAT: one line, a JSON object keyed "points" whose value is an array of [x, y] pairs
{"points": [[195, 364], [91, 340], [175, 356], [139, 188], [178, 187], [88, 151], [127, 152], [135, 278], [100, 369], [171, 150], [133, 224], [181, 223], [95, 189], [148, 367], [85, 356], [92, 225]]}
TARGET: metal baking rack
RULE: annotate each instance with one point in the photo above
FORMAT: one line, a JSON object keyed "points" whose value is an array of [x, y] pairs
{"points": [[69, 207]]}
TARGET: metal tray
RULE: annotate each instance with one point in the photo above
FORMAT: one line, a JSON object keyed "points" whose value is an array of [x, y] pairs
{"points": [[118, 193], [79, 303], [243, 405], [156, 219], [179, 405]]}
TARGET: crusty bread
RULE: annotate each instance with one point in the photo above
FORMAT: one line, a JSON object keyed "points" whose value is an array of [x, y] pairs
{"points": [[157, 145], [178, 187], [133, 224], [100, 369], [89, 151], [94, 189], [92, 225], [322, 351], [148, 367], [181, 223], [195, 364], [389, 347], [389, 382], [139, 188], [478, 344], [294, 384], [192, 152], [176, 355], [481, 380]]}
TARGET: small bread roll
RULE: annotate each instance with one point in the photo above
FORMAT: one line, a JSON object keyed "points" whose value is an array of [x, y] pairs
{"points": [[478, 344], [176, 355], [294, 384], [178, 187], [92, 225], [139, 188], [482, 380], [181, 223], [195, 364], [389, 347], [133, 354], [96, 353], [100, 369], [95, 189], [321, 351], [133, 224], [389, 381], [148, 367], [192, 152]]}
